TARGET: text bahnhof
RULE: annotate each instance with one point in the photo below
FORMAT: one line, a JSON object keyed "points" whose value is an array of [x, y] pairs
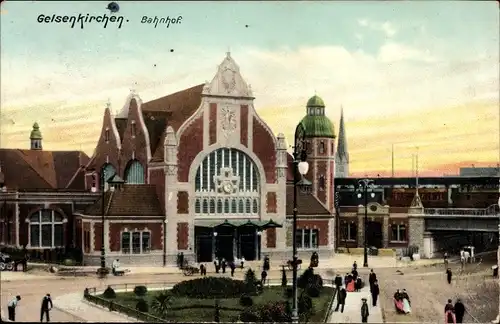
{"points": [[82, 19]]}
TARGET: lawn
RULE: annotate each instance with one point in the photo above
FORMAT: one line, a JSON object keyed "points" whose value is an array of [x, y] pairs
{"points": [[185, 309]]}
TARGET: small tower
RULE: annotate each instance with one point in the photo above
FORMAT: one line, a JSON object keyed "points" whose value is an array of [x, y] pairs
{"points": [[320, 136], [36, 137], [342, 155]]}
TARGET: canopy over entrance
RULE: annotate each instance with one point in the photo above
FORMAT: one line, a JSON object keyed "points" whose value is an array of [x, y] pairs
{"points": [[258, 224]]}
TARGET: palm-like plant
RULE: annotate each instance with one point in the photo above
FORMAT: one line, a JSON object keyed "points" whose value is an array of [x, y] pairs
{"points": [[161, 302]]}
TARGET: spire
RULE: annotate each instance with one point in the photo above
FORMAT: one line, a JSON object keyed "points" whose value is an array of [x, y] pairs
{"points": [[342, 151], [416, 202]]}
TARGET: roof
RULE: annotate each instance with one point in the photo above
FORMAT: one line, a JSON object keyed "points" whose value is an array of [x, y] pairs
{"points": [[129, 200], [172, 110], [40, 169], [315, 101], [307, 204], [259, 224], [479, 172], [422, 181], [318, 126]]}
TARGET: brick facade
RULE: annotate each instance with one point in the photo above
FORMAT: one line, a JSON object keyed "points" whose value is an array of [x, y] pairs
{"points": [[182, 236], [244, 125], [190, 144], [265, 150]]}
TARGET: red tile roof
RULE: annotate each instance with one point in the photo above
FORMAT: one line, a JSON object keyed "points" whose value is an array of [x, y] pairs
{"points": [[129, 200], [307, 204], [39, 169]]}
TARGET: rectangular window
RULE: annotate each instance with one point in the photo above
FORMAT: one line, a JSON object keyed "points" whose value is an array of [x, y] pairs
{"points": [[398, 233], [298, 238], [58, 235], [47, 235], [146, 242], [106, 135], [133, 129], [348, 231], [353, 229], [86, 241], [307, 238], [136, 242], [35, 235], [314, 238], [125, 242], [322, 148]]}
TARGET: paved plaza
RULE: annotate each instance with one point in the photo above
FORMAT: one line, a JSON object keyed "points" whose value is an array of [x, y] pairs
{"points": [[69, 307]]}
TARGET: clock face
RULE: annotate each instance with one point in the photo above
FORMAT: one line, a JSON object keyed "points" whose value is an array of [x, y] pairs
{"points": [[228, 187]]}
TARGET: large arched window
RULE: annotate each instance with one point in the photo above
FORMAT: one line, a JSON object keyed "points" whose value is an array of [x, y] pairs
{"points": [[229, 179], [134, 173], [107, 171], [46, 229]]}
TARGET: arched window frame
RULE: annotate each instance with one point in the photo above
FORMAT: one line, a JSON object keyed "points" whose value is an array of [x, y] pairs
{"points": [[134, 178], [41, 221], [228, 163]]}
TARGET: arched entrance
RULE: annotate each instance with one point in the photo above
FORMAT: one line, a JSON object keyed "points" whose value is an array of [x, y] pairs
{"points": [[374, 235]]}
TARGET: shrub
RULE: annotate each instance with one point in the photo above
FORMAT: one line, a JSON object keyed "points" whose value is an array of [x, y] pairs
{"points": [[283, 278], [317, 281], [246, 301], [161, 302], [305, 304], [274, 312], [142, 306], [209, 287], [140, 291], [109, 293], [305, 278], [289, 292], [250, 315], [250, 282], [313, 291], [69, 262]]}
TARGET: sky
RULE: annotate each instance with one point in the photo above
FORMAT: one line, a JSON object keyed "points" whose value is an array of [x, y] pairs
{"points": [[419, 76]]}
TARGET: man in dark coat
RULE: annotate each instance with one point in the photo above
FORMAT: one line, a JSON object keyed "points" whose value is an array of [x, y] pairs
{"points": [[46, 307], [341, 300], [355, 274], [459, 311], [232, 266], [354, 266], [263, 277], [338, 282], [449, 274], [372, 277], [364, 311], [375, 291], [358, 284]]}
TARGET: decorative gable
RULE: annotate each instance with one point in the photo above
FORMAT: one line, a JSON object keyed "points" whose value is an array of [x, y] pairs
{"points": [[228, 81]]}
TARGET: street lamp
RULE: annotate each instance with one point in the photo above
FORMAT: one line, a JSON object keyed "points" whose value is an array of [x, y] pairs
{"points": [[300, 168], [365, 186]]}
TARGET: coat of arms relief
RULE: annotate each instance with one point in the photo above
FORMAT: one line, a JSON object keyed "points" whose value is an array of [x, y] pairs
{"points": [[228, 120]]}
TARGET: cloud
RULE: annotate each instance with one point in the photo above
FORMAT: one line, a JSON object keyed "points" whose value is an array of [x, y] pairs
{"points": [[390, 52], [386, 27]]}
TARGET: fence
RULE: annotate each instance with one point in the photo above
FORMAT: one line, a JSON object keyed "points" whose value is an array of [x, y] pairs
{"points": [[91, 295]]}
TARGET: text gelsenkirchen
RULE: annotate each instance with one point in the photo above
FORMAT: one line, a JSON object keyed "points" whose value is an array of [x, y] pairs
{"points": [[81, 19], [163, 20]]}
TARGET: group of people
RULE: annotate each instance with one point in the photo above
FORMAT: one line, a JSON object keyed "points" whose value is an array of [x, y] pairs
{"points": [[44, 308], [454, 313], [402, 302], [352, 280]]}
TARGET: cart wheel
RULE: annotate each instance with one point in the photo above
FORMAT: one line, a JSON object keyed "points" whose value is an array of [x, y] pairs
{"points": [[9, 266], [2, 266], [185, 272]]}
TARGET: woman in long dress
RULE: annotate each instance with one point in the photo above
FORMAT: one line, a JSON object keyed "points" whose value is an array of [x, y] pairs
{"points": [[398, 302], [406, 302], [350, 286]]}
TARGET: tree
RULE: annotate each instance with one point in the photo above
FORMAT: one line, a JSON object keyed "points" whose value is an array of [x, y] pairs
{"points": [[161, 302]]}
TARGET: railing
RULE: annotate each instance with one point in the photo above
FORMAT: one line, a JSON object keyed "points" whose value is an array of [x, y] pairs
{"points": [[91, 295], [493, 210]]}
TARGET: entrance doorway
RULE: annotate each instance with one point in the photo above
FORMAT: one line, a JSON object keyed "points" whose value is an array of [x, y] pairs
{"points": [[248, 240], [204, 244], [224, 242], [374, 235]]}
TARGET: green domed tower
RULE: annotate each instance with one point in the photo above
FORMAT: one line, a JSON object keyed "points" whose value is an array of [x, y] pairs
{"points": [[36, 137], [320, 135]]}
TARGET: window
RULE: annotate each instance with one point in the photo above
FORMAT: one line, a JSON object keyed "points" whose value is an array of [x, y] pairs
{"points": [[332, 148], [106, 135], [86, 241], [348, 231], [321, 183], [398, 233], [307, 238], [136, 242], [133, 129], [321, 147], [107, 172], [134, 173], [46, 229]]}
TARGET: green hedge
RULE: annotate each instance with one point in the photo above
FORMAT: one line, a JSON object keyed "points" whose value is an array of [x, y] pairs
{"points": [[209, 288]]}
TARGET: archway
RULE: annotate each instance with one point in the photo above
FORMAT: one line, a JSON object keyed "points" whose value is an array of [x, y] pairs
{"points": [[134, 173]]}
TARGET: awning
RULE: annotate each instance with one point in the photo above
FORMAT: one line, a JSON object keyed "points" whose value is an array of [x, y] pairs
{"points": [[238, 223]]}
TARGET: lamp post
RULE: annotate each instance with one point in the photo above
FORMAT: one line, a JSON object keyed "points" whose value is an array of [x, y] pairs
{"points": [[365, 185], [300, 168]]}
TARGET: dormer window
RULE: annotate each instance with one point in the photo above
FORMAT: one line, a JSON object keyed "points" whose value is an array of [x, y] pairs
{"points": [[106, 135], [322, 147], [133, 129]]}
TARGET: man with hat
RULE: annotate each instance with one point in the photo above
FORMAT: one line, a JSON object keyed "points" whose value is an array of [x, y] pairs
{"points": [[459, 311], [46, 307], [11, 307], [364, 311]]}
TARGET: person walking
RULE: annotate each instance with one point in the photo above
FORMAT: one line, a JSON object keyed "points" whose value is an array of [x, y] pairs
{"points": [[341, 300], [46, 307], [449, 274], [263, 277], [372, 278], [364, 311], [338, 282], [232, 266], [11, 307], [375, 291], [459, 311]]}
